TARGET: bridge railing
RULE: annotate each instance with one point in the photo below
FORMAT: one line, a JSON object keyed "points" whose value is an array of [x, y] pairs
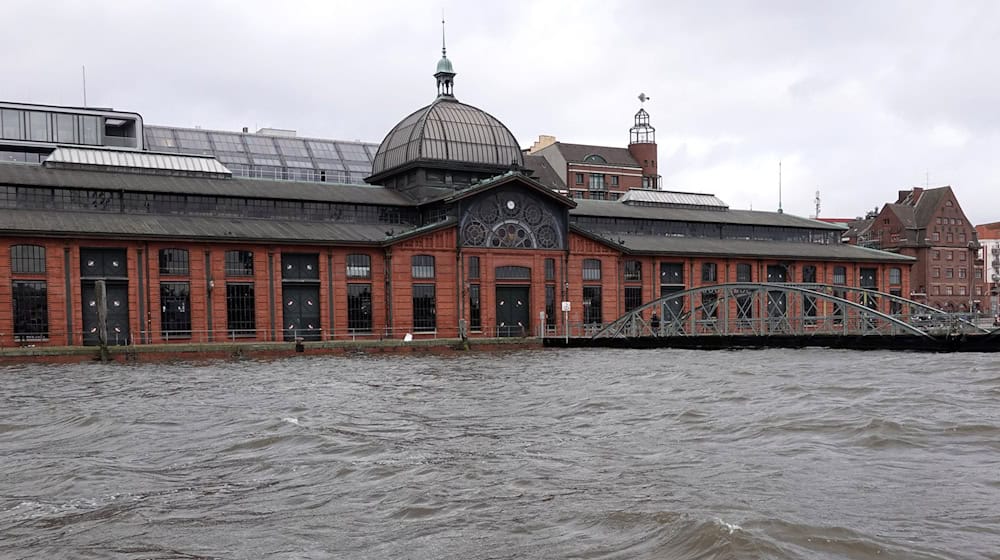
{"points": [[779, 308]]}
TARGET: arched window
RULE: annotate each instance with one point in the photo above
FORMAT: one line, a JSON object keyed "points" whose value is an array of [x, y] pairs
{"points": [[594, 158], [27, 259]]}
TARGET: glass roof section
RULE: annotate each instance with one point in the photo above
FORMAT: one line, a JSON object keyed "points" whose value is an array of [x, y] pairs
{"points": [[270, 156]]}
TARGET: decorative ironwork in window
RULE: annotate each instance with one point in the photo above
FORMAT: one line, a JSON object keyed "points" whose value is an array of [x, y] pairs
{"points": [[591, 269], [174, 261], [239, 263], [424, 308], [27, 259], [359, 308], [240, 310], [510, 219], [31, 310], [359, 266], [594, 158], [513, 273], [175, 309], [422, 266], [550, 270], [474, 268]]}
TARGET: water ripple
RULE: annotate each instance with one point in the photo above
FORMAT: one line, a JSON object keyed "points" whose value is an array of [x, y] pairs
{"points": [[593, 454]]}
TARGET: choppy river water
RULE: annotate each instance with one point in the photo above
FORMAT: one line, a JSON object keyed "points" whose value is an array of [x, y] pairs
{"points": [[537, 454]]}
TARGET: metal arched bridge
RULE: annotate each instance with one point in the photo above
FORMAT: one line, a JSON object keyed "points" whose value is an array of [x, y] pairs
{"points": [[785, 314]]}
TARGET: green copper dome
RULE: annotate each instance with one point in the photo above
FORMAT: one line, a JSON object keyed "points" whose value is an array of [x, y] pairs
{"points": [[444, 65]]}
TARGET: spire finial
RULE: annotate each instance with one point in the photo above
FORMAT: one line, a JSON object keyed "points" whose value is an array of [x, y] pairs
{"points": [[445, 71], [444, 51]]}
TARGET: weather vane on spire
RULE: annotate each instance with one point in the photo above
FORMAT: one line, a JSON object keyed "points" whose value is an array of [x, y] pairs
{"points": [[644, 98]]}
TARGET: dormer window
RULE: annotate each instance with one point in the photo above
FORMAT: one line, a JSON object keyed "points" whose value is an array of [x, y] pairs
{"points": [[594, 158]]}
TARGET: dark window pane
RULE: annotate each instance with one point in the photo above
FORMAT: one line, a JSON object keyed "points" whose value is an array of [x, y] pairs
{"points": [[31, 310], [175, 309], [475, 311], [174, 261], [550, 270], [27, 259], [240, 315], [592, 305], [633, 271], [422, 266], [474, 267], [513, 273], [239, 263], [591, 269], [424, 308], [359, 307], [744, 272], [359, 266], [633, 297]]}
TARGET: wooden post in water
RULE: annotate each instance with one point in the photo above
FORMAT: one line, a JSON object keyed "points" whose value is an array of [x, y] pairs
{"points": [[101, 298]]}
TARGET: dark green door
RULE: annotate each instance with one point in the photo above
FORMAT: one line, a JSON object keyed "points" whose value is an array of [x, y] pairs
{"points": [[118, 333], [513, 311], [301, 311]]}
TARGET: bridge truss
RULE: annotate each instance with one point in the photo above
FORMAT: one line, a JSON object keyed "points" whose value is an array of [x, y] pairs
{"points": [[768, 309]]}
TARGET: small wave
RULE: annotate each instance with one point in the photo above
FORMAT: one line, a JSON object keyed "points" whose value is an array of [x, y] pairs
{"points": [[291, 420]]}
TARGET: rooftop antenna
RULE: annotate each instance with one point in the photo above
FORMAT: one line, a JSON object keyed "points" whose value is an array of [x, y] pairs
{"points": [[927, 179], [780, 211], [444, 51], [817, 203], [84, 85]]}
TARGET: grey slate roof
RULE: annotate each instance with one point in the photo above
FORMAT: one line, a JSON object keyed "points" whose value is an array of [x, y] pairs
{"points": [[905, 214], [543, 172], [577, 153], [82, 224], [609, 209], [21, 174], [927, 204], [658, 244]]}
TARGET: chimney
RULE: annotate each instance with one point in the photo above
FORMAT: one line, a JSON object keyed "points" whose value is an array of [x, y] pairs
{"points": [[544, 141], [246, 129]]}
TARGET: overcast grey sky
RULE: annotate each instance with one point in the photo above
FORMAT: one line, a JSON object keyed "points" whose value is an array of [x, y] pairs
{"points": [[858, 99]]}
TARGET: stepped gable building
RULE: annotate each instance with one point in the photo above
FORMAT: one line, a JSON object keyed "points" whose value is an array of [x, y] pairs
{"points": [[599, 172], [451, 237], [930, 226]]}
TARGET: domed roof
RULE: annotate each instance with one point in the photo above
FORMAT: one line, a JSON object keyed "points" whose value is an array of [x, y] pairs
{"points": [[448, 131], [444, 65]]}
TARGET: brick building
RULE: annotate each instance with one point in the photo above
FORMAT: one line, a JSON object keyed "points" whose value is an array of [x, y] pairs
{"points": [[584, 171], [929, 225], [989, 254], [452, 236]]}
